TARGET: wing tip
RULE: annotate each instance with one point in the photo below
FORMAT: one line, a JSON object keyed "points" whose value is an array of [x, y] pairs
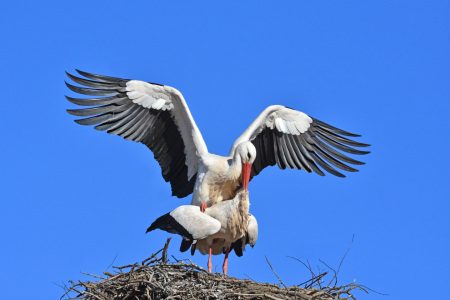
{"points": [[81, 121], [72, 112], [364, 145], [82, 73], [72, 77], [321, 174]]}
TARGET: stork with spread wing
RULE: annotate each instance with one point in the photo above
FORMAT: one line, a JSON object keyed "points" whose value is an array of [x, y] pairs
{"points": [[157, 116]]}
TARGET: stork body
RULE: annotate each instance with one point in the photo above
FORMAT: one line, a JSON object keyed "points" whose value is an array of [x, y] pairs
{"points": [[216, 230], [158, 117], [219, 178], [250, 237]]}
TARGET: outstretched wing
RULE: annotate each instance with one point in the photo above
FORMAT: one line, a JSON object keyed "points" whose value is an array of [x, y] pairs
{"points": [[153, 114], [292, 139]]}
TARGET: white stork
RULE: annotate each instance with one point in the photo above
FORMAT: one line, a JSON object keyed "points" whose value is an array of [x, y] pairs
{"points": [[158, 116], [222, 227]]}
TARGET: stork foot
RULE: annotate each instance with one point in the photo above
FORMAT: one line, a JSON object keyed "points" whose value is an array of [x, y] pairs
{"points": [[203, 207]]}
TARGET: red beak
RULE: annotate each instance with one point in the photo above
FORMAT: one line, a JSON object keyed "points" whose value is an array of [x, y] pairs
{"points": [[246, 171]]}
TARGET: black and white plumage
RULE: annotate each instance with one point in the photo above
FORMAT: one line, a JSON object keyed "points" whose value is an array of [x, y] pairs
{"points": [[158, 116], [187, 221], [219, 229], [291, 139]]}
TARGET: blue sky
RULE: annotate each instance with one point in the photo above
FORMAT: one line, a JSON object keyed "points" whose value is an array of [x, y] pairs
{"points": [[73, 198]]}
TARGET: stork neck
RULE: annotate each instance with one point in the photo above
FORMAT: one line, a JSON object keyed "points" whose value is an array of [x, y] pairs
{"points": [[244, 205], [236, 167]]}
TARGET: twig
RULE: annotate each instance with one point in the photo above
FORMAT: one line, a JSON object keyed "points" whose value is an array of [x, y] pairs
{"points": [[310, 268], [126, 266], [249, 277], [92, 275], [275, 273], [335, 273], [109, 274], [153, 255], [272, 297], [318, 277], [112, 261], [306, 266], [365, 287], [318, 281], [164, 254], [342, 260], [177, 260]]}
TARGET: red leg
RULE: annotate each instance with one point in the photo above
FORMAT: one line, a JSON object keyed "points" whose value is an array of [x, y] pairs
{"points": [[203, 207], [225, 262], [209, 260]]}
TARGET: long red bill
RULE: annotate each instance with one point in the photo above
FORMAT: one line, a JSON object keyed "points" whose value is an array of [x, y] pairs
{"points": [[246, 171]]}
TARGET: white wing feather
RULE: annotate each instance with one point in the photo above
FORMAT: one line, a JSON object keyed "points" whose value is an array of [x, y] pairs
{"points": [[197, 223], [281, 118]]}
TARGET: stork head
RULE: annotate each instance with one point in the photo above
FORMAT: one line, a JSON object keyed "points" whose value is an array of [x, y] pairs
{"points": [[247, 152]]}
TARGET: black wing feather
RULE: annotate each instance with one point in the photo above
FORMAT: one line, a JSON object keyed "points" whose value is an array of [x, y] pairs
{"points": [[118, 115], [97, 84], [237, 247], [308, 150], [101, 78], [185, 245], [116, 99], [170, 224], [91, 92]]}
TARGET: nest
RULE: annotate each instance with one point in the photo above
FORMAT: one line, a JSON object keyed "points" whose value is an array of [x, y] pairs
{"points": [[155, 278]]}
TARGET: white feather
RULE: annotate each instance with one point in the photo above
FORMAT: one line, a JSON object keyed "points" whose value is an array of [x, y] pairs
{"points": [[284, 119], [134, 95], [158, 104], [199, 224], [292, 128], [146, 101], [281, 125], [304, 124]]}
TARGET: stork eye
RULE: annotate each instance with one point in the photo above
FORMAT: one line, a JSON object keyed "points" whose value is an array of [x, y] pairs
{"points": [[248, 155]]}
